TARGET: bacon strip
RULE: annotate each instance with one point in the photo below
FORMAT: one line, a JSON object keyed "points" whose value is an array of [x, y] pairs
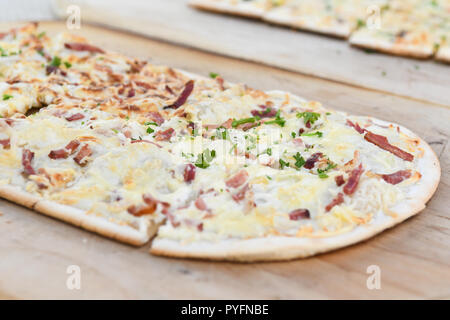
{"points": [[309, 164], [200, 204], [396, 177], [72, 146], [64, 153], [81, 156], [237, 180], [75, 117], [265, 113], [27, 157], [6, 143], [355, 126], [156, 117], [188, 88], [339, 180], [164, 135], [336, 201], [77, 46], [58, 154], [383, 143], [144, 85], [189, 172], [299, 214], [353, 180]]}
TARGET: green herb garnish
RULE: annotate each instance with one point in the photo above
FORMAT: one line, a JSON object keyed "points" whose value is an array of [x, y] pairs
{"points": [[204, 158], [299, 160], [312, 134], [278, 120], [213, 75], [56, 61], [237, 123], [308, 117], [283, 164]]}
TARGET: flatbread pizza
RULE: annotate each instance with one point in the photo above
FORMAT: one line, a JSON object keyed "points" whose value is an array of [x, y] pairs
{"points": [[215, 170], [246, 8], [413, 28]]}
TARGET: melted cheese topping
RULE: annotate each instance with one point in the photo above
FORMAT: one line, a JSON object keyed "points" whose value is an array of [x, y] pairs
{"points": [[248, 148]]}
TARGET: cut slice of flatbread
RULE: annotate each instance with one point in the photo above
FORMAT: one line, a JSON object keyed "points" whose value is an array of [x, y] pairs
{"points": [[326, 17], [224, 245], [443, 53], [408, 28], [250, 9]]}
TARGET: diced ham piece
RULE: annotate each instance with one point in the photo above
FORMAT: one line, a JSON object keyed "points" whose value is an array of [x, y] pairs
{"points": [[265, 113], [353, 180], [78, 46], [75, 117], [200, 204], [6, 143], [299, 214], [336, 201], [237, 180], [81, 156], [310, 162], [355, 126], [339, 180], [27, 157], [164, 135], [227, 124], [383, 143], [188, 88], [189, 172], [220, 81], [240, 195], [396, 177], [299, 142]]}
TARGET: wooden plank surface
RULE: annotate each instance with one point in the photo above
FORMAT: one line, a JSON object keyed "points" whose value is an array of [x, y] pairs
{"points": [[414, 257], [253, 40]]}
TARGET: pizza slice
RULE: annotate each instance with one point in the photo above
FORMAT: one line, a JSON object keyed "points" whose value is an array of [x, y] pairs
{"points": [[412, 28], [248, 8], [337, 17]]}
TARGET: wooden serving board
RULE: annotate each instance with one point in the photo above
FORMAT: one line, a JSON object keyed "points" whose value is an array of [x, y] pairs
{"points": [[414, 257], [253, 40]]}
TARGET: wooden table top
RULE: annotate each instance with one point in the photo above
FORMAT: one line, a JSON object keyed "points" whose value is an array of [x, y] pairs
{"points": [[414, 257]]}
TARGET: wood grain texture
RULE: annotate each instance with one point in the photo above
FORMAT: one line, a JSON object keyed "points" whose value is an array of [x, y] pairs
{"points": [[252, 40], [414, 257]]}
